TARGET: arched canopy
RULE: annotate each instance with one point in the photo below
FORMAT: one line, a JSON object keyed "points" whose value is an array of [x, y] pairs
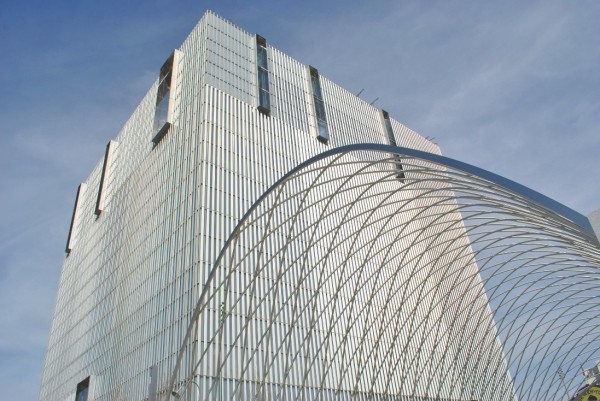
{"points": [[379, 272]]}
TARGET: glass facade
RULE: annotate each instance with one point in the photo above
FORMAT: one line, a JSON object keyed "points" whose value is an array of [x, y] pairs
{"points": [[75, 219], [163, 98], [83, 390], [262, 66], [162, 102], [322, 129], [105, 167], [391, 138]]}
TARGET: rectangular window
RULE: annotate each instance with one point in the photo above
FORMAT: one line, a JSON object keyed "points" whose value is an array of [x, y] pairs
{"points": [[322, 128], [388, 128], [261, 54], [163, 99], [319, 109], [265, 102], [262, 67], [83, 390], [75, 218], [263, 80], [104, 177], [315, 82], [391, 139]]}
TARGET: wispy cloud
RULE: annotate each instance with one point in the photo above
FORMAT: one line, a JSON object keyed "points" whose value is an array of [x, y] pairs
{"points": [[508, 87], [511, 87]]}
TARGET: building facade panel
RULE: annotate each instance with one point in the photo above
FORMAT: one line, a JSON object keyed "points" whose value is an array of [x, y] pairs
{"points": [[132, 278]]}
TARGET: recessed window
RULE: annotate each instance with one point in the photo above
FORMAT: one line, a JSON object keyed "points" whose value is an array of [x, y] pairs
{"points": [[261, 55], [104, 178], [74, 219], [322, 128], [83, 390], [391, 139], [163, 98], [262, 67]]}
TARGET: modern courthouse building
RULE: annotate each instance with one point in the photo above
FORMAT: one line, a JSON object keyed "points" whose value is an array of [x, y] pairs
{"points": [[256, 232]]}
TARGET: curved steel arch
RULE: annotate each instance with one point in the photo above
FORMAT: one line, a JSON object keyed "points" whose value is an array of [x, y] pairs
{"points": [[343, 281]]}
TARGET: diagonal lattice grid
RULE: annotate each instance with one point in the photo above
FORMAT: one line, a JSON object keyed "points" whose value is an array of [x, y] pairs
{"points": [[348, 281]]}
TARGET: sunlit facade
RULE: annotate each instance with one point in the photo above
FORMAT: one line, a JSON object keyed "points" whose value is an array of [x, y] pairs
{"points": [[227, 118]]}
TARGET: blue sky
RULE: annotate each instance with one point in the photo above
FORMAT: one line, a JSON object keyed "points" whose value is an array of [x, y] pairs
{"points": [[512, 87]]}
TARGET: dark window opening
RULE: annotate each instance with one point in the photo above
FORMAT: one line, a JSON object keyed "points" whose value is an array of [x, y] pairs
{"points": [[161, 133], [265, 101], [387, 125], [163, 95], [388, 128], [71, 237], [263, 80], [319, 109], [322, 128], [323, 131], [261, 41], [83, 390], [261, 57], [262, 66], [99, 199], [315, 82]]}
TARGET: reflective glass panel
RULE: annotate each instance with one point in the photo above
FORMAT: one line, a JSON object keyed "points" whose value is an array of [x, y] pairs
{"points": [[320, 109], [82, 390], [261, 55], [263, 98], [163, 88], [82, 395], [323, 131], [390, 132], [162, 112], [263, 79], [316, 87]]}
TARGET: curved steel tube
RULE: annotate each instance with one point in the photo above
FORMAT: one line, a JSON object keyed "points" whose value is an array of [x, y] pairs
{"points": [[343, 282]]}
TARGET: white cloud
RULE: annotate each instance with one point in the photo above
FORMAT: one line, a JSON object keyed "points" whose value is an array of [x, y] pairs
{"points": [[501, 86], [511, 87]]}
